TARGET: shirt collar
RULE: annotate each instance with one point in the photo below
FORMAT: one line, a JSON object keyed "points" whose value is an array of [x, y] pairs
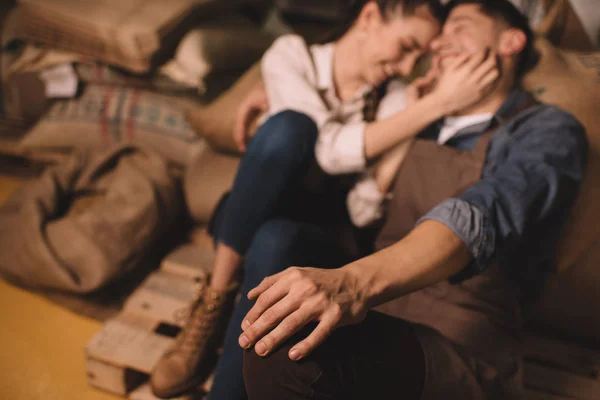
{"points": [[323, 55], [516, 98]]}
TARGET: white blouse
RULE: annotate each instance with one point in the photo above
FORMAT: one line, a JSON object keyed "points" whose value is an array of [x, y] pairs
{"points": [[300, 78]]}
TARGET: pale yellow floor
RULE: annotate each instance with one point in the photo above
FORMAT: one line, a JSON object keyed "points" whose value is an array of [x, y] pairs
{"points": [[41, 344]]}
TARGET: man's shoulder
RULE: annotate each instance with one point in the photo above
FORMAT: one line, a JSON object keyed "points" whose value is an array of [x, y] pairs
{"points": [[550, 114]]}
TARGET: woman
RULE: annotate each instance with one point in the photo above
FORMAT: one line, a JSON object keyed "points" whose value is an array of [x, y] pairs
{"points": [[317, 98]]}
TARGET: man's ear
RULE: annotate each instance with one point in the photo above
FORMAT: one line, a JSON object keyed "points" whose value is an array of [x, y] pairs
{"points": [[370, 17], [512, 41]]}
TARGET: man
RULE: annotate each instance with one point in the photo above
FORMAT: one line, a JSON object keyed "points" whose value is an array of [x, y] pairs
{"points": [[470, 233]]}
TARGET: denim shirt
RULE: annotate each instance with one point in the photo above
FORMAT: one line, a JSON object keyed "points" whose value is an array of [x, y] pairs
{"points": [[514, 215]]}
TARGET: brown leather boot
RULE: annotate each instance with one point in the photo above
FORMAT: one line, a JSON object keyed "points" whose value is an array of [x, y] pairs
{"points": [[193, 356]]}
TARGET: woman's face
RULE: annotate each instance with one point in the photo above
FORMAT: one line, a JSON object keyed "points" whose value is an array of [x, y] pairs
{"points": [[391, 46]]}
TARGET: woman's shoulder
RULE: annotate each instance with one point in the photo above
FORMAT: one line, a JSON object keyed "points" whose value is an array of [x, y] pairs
{"points": [[290, 45], [289, 51]]}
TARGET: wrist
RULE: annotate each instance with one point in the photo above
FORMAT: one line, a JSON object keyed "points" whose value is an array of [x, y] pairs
{"points": [[364, 283], [439, 104]]}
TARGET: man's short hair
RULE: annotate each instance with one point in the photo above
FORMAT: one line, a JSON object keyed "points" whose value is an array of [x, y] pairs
{"points": [[508, 13]]}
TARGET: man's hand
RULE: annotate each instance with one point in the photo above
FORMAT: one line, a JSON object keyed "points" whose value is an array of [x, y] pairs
{"points": [[288, 301], [252, 106], [466, 80]]}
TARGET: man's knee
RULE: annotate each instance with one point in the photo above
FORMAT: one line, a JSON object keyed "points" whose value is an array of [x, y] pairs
{"points": [[277, 377]]}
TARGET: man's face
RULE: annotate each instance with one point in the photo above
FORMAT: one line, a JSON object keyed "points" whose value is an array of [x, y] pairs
{"points": [[466, 31]]}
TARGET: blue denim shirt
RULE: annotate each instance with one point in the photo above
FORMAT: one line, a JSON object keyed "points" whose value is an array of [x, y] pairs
{"points": [[514, 214]]}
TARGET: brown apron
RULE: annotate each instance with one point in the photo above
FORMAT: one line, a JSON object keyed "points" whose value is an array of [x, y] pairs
{"points": [[479, 319]]}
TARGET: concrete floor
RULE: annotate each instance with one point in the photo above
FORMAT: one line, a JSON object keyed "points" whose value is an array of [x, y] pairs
{"points": [[41, 344]]}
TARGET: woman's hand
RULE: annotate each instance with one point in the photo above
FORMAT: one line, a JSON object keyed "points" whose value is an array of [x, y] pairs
{"points": [[465, 80], [288, 301], [252, 106]]}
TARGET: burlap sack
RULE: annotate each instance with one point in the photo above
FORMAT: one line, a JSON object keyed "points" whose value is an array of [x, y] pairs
{"points": [[207, 179], [135, 35], [87, 222], [562, 26], [572, 81], [104, 117], [215, 122], [229, 45]]}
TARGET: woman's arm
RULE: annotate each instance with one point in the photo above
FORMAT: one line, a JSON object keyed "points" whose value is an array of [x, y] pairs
{"points": [[461, 84]]}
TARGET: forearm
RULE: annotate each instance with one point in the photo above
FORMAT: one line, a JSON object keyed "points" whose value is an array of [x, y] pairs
{"points": [[430, 254], [382, 135]]}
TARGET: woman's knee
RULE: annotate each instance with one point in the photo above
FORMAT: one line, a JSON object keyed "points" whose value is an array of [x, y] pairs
{"points": [[272, 249], [286, 135]]}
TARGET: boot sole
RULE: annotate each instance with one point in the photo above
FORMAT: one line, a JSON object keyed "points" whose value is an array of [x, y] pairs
{"points": [[185, 387]]}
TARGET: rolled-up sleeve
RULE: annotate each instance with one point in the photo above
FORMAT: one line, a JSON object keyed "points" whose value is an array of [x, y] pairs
{"points": [[536, 182]]}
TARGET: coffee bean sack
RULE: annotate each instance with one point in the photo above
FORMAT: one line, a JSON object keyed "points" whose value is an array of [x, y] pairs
{"points": [[104, 117], [571, 81]]}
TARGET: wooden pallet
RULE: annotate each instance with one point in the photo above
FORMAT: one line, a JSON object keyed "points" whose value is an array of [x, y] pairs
{"points": [[121, 356]]}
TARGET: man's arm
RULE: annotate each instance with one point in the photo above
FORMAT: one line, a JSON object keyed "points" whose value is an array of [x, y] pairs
{"points": [[429, 254]]}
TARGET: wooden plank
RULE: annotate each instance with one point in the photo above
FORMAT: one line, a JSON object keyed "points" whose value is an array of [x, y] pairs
{"points": [[529, 394], [560, 382], [106, 376], [144, 392], [563, 355], [189, 261], [161, 297], [126, 346]]}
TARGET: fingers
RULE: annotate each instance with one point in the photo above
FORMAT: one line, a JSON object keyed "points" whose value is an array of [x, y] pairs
{"points": [[286, 329], [484, 68], [489, 78], [274, 290], [239, 131], [458, 61], [476, 59], [281, 311], [327, 325]]}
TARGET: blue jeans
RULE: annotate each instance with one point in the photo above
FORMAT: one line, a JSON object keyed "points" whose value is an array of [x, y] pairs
{"points": [[265, 188]]}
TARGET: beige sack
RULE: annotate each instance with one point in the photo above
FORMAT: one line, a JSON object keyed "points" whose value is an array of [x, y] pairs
{"points": [[215, 122], [104, 117], [87, 222], [571, 302], [207, 179], [131, 34]]}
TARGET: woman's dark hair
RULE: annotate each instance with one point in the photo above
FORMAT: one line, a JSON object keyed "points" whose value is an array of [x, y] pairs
{"points": [[508, 13], [352, 9]]}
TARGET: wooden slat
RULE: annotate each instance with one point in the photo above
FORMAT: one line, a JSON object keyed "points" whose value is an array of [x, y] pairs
{"points": [[560, 382], [127, 346], [563, 355], [189, 261], [161, 297]]}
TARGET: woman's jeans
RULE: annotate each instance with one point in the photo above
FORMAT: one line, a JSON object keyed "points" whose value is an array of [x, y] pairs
{"points": [[253, 222]]}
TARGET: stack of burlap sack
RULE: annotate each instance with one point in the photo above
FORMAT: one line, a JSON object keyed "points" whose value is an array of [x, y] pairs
{"points": [[109, 83], [93, 74]]}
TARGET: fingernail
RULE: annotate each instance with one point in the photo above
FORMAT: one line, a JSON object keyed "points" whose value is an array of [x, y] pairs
{"points": [[295, 354], [245, 324], [244, 342], [261, 348]]}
